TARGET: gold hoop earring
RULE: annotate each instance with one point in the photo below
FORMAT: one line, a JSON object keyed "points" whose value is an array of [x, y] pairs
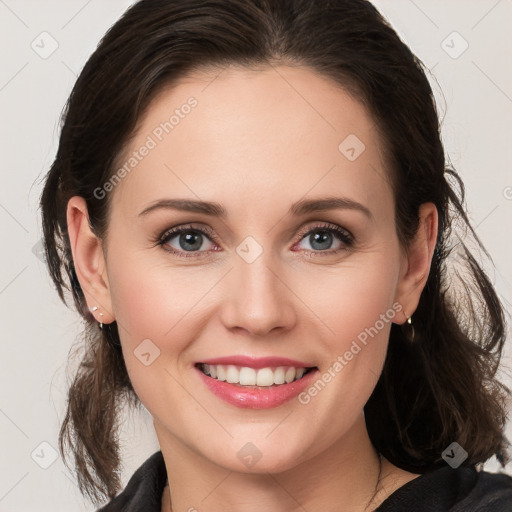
{"points": [[92, 310], [408, 329]]}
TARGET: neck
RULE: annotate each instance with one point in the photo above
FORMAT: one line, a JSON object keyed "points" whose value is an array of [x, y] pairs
{"points": [[347, 475]]}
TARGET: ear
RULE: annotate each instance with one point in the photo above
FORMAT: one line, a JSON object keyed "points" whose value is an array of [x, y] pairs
{"points": [[417, 259], [88, 259]]}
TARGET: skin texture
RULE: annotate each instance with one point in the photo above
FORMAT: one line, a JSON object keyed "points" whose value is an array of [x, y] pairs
{"points": [[257, 141]]}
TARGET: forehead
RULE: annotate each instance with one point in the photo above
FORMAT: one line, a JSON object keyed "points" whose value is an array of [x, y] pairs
{"points": [[238, 135]]}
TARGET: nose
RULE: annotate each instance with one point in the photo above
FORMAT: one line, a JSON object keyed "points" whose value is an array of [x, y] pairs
{"points": [[257, 299]]}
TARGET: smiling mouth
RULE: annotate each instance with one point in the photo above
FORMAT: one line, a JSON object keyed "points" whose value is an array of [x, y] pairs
{"points": [[246, 376]]}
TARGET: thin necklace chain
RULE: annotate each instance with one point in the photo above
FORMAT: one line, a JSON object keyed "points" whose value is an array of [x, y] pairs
{"points": [[376, 485], [366, 508]]}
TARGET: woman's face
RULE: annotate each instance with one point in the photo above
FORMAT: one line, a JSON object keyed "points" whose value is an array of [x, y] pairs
{"points": [[275, 276]]}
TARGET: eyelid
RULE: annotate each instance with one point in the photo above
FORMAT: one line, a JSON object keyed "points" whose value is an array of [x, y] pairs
{"points": [[187, 227], [170, 233], [346, 237], [328, 226]]}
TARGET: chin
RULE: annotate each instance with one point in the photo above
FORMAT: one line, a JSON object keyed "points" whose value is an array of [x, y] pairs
{"points": [[257, 458]]}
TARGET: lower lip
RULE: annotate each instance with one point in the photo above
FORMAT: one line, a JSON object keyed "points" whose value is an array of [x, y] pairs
{"points": [[257, 398]]}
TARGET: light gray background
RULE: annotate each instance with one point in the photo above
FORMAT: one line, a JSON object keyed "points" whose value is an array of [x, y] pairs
{"points": [[37, 330]]}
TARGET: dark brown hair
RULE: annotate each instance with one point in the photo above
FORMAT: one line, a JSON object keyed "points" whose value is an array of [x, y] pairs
{"points": [[439, 389]]}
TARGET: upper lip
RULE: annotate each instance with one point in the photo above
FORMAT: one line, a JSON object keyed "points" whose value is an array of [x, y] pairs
{"points": [[257, 362]]}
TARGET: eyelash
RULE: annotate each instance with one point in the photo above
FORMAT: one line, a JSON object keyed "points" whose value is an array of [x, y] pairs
{"points": [[342, 234]]}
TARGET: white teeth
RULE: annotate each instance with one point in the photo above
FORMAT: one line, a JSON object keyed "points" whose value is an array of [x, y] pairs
{"points": [[265, 377], [221, 372], [289, 375], [245, 376], [279, 375], [232, 374]]}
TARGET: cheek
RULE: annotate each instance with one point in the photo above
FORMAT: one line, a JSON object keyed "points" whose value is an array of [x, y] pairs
{"points": [[171, 306], [152, 301], [355, 307], [351, 298], [163, 304]]}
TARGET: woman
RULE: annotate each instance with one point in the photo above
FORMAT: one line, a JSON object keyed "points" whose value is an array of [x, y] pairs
{"points": [[251, 204]]}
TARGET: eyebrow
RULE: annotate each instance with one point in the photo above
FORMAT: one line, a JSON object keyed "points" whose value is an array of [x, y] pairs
{"points": [[301, 207]]}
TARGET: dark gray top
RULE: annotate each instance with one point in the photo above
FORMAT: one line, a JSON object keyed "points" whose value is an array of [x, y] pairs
{"points": [[456, 490]]}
